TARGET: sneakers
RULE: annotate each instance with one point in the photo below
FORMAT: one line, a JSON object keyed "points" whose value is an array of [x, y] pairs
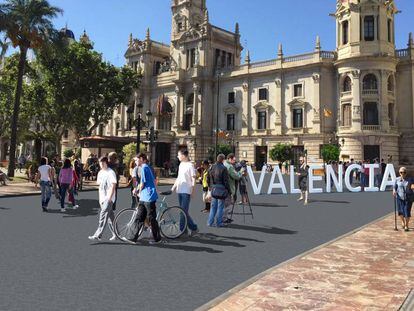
{"points": [[63, 210], [300, 199], [94, 238], [228, 221], [193, 232], [44, 209], [112, 238], [76, 206]]}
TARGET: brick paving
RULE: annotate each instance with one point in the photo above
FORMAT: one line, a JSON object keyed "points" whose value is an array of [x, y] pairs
{"points": [[371, 269]]}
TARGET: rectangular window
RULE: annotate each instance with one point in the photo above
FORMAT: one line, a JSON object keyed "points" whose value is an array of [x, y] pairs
{"points": [[66, 134], [192, 64], [229, 59], [261, 120], [230, 122], [298, 118], [346, 115], [263, 94], [297, 90], [217, 58], [389, 23], [188, 59], [369, 28], [371, 114], [100, 130], [117, 126], [232, 98], [345, 26], [391, 114]]}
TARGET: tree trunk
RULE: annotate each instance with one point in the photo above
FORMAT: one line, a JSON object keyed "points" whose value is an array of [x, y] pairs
{"points": [[38, 149], [58, 145], [16, 110]]}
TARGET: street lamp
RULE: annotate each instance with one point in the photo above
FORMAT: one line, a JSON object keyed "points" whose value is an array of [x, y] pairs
{"points": [[140, 123], [152, 137]]}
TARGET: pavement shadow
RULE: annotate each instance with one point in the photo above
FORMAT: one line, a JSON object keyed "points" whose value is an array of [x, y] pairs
{"points": [[87, 207], [166, 245], [269, 230], [4, 208], [212, 235], [329, 201], [265, 205], [204, 239]]}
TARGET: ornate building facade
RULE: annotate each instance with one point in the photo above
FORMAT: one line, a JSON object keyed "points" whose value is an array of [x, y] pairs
{"points": [[361, 95]]}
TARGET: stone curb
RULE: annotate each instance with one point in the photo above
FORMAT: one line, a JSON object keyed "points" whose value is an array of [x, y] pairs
{"points": [[216, 301]]}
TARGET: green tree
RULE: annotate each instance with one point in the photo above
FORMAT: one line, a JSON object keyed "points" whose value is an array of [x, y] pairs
{"points": [[68, 153], [330, 153], [224, 149], [281, 152], [129, 152], [27, 23]]}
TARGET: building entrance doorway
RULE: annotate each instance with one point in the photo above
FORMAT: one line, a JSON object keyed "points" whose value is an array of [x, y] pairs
{"points": [[260, 157], [371, 152], [162, 154]]}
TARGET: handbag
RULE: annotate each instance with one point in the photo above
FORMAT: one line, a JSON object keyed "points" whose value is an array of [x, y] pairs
{"points": [[207, 197], [219, 192]]}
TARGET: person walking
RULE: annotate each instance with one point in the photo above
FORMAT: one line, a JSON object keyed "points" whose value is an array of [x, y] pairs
{"points": [[233, 177], [218, 183], [303, 180], [114, 166], [66, 182], [45, 175], [133, 181], [147, 202], [184, 186], [402, 193], [107, 194], [206, 196], [72, 191]]}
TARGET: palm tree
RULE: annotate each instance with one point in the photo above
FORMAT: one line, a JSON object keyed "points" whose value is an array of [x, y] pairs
{"points": [[28, 25]]}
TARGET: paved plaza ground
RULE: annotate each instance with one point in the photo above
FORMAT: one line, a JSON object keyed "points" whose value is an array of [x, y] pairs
{"points": [[49, 264]]}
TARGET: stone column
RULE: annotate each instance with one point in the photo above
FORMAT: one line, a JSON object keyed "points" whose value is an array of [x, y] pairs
{"points": [[278, 107], [356, 103], [245, 110], [316, 103], [383, 104], [179, 109]]}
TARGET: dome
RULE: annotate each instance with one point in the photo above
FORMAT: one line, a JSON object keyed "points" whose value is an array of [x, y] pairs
{"points": [[67, 33]]}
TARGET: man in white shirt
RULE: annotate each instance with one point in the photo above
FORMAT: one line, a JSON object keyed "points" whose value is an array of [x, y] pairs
{"points": [[184, 185], [107, 195]]}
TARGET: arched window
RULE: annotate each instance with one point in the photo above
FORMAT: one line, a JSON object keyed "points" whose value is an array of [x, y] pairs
{"points": [[370, 82], [347, 86], [390, 84], [188, 112]]}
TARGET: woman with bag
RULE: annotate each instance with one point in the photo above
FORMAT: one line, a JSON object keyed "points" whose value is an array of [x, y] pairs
{"points": [[402, 193], [206, 192], [218, 181]]}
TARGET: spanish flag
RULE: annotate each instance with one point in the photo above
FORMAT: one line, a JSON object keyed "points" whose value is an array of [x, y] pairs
{"points": [[327, 113]]}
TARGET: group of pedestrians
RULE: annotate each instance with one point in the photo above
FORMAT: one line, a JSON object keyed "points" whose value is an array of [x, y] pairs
{"points": [[62, 181]]}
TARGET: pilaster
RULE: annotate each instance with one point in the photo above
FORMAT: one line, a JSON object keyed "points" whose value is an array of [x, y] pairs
{"points": [[356, 103]]}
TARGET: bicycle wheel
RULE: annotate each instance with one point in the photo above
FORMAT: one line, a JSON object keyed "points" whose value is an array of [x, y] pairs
{"points": [[123, 222], [173, 222]]}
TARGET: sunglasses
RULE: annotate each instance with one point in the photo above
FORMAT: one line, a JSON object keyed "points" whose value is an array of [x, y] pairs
{"points": [[403, 173]]}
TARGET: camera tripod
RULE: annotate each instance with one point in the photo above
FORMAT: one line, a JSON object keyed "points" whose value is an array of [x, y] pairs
{"points": [[243, 206]]}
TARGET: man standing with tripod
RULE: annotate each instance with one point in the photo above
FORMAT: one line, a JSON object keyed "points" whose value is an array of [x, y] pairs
{"points": [[233, 176]]}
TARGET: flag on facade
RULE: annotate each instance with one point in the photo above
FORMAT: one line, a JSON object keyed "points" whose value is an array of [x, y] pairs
{"points": [[327, 113]]}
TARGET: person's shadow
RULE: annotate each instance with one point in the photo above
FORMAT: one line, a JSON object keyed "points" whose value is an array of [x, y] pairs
{"points": [[4, 208], [87, 207], [269, 230]]}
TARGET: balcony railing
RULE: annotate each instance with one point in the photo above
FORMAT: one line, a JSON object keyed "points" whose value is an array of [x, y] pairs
{"points": [[371, 128], [344, 94], [370, 92], [300, 57], [402, 53]]}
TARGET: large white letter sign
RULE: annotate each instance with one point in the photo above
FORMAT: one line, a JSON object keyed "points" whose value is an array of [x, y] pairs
{"points": [[292, 180], [371, 186], [337, 180], [389, 172], [280, 184], [256, 189], [348, 172], [313, 178]]}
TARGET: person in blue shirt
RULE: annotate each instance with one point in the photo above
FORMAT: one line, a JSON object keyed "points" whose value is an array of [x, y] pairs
{"points": [[402, 193], [147, 198]]}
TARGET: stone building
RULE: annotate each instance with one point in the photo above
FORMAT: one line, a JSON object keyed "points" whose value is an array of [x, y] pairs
{"points": [[360, 95]]}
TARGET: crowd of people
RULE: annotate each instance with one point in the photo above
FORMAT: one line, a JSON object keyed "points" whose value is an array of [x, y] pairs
{"points": [[221, 182]]}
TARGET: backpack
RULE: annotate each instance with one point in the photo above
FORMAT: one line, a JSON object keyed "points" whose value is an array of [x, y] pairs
{"points": [[410, 191]]}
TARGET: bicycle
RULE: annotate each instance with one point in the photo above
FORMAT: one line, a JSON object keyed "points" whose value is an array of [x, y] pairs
{"points": [[172, 220]]}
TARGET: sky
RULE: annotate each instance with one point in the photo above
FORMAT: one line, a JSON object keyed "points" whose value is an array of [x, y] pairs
{"points": [[263, 23]]}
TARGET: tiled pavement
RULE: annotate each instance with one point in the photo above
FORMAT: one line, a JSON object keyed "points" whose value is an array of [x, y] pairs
{"points": [[371, 269]]}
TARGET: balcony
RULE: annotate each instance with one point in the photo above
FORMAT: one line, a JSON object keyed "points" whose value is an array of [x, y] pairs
{"points": [[371, 128], [346, 94], [370, 92]]}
